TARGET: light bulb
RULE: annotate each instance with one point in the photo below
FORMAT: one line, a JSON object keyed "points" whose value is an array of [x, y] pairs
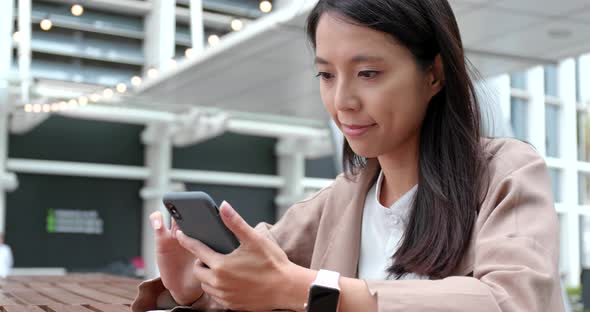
{"points": [[72, 103], [29, 108], [62, 105], [188, 53], [46, 24], [46, 108], [54, 107], [237, 25], [94, 98], [121, 88], [37, 108], [77, 10], [136, 81], [107, 93], [83, 100], [213, 40], [265, 6], [16, 37], [152, 73]]}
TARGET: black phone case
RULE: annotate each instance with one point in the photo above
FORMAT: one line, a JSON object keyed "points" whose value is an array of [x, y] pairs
{"points": [[199, 218]]}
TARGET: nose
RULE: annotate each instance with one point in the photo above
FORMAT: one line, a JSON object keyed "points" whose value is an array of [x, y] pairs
{"points": [[345, 97]]}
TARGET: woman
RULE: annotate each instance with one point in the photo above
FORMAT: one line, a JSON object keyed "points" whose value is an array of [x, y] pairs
{"points": [[429, 216]]}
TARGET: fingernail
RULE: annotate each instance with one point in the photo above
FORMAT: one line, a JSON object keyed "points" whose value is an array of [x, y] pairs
{"points": [[156, 224], [226, 209]]}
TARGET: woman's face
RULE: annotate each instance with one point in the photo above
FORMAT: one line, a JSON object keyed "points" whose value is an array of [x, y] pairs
{"points": [[371, 86]]}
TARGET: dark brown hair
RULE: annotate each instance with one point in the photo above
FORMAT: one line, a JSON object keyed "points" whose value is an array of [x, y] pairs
{"points": [[451, 165]]}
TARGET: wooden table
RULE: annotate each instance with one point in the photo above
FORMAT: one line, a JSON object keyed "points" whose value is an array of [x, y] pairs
{"points": [[68, 293]]}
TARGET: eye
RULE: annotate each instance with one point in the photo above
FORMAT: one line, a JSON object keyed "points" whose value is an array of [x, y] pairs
{"points": [[325, 76], [369, 74]]}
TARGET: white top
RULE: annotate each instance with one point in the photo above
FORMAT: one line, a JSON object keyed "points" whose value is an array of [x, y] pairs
{"points": [[382, 229], [5, 260]]}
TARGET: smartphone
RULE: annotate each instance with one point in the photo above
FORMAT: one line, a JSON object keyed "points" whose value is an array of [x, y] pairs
{"points": [[197, 216]]}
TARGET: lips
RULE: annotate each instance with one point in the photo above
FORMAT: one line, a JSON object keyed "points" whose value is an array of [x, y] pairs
{"points": [[356, 130]]}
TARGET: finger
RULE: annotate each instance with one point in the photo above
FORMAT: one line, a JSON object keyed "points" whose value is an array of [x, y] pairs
{"points": [[235, 223], [157, 221], [211, 291], [173, 227], [197, 248], [203, 273]]}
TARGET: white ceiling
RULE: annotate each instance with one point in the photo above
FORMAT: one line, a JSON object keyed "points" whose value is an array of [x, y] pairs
{"points": [[267, 68]]}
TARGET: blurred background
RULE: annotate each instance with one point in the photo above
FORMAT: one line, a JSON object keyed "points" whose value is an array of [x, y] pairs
{"points": [[108, 104]]}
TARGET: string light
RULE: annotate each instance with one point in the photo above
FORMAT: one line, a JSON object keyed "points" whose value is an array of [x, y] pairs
{"points": [[37, 108], [107, 93], [237, 25], [29, 108], [188, 53], [62, 105], [265, 6], [72, 103], [121, 88], [16, 37], [46, 108], [152, 73], [77, 10], [46, 24], [83, 101], [136, 81], [94, 98], [213, 40], [54, 107]]}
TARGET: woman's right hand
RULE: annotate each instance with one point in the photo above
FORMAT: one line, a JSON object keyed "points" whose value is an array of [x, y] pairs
{"points": [[175, 263]]}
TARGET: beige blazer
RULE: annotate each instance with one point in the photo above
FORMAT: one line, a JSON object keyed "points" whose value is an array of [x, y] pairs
{"points": [[511, 263]]}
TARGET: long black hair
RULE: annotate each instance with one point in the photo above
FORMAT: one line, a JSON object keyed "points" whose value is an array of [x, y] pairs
{"points": [[451, 159]]}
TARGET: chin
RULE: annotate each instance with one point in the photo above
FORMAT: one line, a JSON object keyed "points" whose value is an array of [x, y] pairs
{"points": [[365, 151]]}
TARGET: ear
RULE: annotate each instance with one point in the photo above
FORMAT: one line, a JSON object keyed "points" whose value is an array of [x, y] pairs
{"points": [[436, 76]]}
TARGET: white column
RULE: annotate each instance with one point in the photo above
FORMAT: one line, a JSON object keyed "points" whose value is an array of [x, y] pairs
{"points": [[24, 47], [536, 87], [291, 167], [569, 183], [585, 77], [197, 26], [494, 98], [6, 22], [160, 34], [158, 158]]}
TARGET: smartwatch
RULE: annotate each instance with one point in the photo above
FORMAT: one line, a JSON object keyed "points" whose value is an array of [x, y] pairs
{"points": [[324, 292]]}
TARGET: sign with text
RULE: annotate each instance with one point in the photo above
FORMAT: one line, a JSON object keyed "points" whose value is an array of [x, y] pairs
{"points": [[74, 221]]}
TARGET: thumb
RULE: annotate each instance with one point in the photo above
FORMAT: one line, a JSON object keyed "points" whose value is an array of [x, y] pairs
{"points": [[235, 223]]}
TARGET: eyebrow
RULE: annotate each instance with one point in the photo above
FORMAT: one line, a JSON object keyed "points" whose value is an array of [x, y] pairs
{"points": [[356, 59]]}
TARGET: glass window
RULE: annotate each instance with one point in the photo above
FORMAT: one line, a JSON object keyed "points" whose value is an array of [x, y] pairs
{"points": [[552, 114], [519, 118], [555, 175], [584, 188], [551, 80], [583, 136], [518, 80]]}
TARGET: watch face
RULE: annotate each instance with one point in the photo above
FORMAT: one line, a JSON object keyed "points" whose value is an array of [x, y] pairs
{"points": [[323, 299]]}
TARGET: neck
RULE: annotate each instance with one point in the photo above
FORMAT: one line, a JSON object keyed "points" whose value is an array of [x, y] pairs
{"points": [[400, 172]]}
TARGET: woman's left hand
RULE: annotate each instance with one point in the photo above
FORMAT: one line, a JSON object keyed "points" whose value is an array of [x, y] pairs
{"points": [[253, 277]]}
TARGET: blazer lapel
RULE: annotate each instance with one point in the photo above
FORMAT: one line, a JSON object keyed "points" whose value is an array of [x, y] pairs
{"points": [[342, 254]]}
